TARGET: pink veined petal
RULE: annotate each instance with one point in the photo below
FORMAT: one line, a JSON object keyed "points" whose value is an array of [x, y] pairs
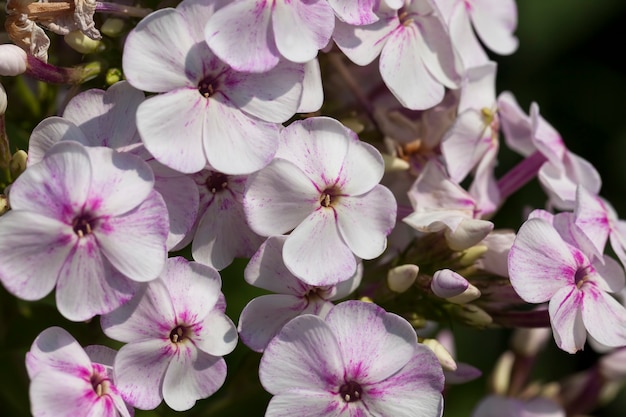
{"points": [[302, 28], [134, 243], [190, 376], [88, 285], [374, 344], [241, 35], [120, 182], [435, 191], [315, 251], [604, 317], [362, 44], [592, 217], [413, 391], [362, 169], [356, 12], [215, 334], [266, 213], [404, 71], [33, 249], [306, 404], [312, 91], [56, 349], [140, 369], [566, 318], [197, 13], [235, 143], [303, 356], [495, 21], [59, 186], [149, 315], [264, 316], [156, 53], [50, 131], [540, 263], [463, 38], [171, 126], [271, 96], [365, 221], [180, 195], [193, 288], [516, 125]]}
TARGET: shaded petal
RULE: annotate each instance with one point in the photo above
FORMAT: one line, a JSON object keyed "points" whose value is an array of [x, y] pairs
{"points": [[134, 243], [50, 131], [56, 349], [303, 356], [374, 344], [365, 221], [180, 195], [356, 12], [362, 44], [171, 126], [306, 404], [312, 91], [566, 319], [495, 22], [362, 169], [604, 317], [463, 38], [315, 251], [516, 125], [216, 334], [610, 275]]}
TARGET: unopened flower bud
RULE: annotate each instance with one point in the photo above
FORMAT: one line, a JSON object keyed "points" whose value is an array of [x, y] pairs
{"points": [[401, 278], [453, 287], [445, 358], [112, 27], [393, 164], [473, 315], [113, 75], [13, 60], [80, 42], [18, 163], [3, 100], [501, 376], [529, 341], [471, 255]]}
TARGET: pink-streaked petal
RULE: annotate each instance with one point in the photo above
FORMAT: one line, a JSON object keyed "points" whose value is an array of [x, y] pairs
{"points": [[301, 29], [88, 285], [241, 35], [149, 315], [604, 317], [271, 96], [197, 13], [356, 12], [156, 53], [304, 355], [33, 249], [268, 215], [434, 191], [566, 318], [180, 195], [540, 263], [50, 131], [59, 186], [365, 221], [312, 92], [315, 251], [190, 376], [216, 334], [495, 22], [362, 169], [235, 143], [375, 344], [56, 349], [414, 391], [362, 44], [139, 371], [306, 404], [171, 126], [263, 317], [135, 242], [592, 217]]}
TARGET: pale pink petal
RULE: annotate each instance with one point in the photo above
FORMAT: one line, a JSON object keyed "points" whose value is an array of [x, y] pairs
{"points": [[50, 131], [540, 263], [135, 242], [436, 49], [56, 349], [316, 404], [479, 88], [197, 13], [171, 127], [592, 217], [362, 169], [216, 334], [316, 253], [414, 391], [156, 53], [268, 215], [312, 91], [604, 317], [241, 35], [33, 249], [303, 356], [235, 143], [365, 221], [264, 316], [356, 12], [464, 40], [435, 221], [495, 22], [190, 376], [566, 318], [375, 344], [102, 355], [139, 371], [362, 44], [484, 188], [345, 288], [149, 315], [180, 195], [516, 125], [302, 28]]}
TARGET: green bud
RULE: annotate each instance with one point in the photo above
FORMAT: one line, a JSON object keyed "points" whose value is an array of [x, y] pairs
{"points": [[112, 27], [18, 164], [113, 75], [471, 255], [80, 42]]}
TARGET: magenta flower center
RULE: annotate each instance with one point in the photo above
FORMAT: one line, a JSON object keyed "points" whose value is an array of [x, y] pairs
{"points": [[83, 225], [179, 334], [100, 381], [582, 275], [216, 182], [351, 391]]}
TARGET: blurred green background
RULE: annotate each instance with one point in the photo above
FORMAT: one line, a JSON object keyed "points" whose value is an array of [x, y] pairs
{"points": [[570, 61]]}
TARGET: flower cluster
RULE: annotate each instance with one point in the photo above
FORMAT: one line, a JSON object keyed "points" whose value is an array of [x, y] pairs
{"points": [[224, 141]]}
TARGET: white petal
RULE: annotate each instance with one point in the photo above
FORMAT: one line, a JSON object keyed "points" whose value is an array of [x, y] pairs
{"points": [[495, 22], [604, 317], [312, 92], [50, 131], [56, 349], [307, 404], [362, 44], [216, 335], [566, 319], [180, 195]]}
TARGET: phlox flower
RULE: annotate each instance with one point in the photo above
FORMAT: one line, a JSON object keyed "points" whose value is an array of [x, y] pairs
{"points": [[358, 361], [67, 381], [176, 334], [88, 221], [545, 264], [253, 36], [206, 112], [323, 187], [264, 316]]}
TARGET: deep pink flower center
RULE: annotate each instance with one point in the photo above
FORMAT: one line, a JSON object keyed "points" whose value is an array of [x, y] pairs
{"points": [[83, 225], [351, 391], [179, 334], [582, 274], [100, 381]]}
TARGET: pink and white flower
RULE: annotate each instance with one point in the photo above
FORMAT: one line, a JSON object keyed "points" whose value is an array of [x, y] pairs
{"points": [[88, 221], [67, 381], [358, 361], [323, 187], [176, 334]]}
